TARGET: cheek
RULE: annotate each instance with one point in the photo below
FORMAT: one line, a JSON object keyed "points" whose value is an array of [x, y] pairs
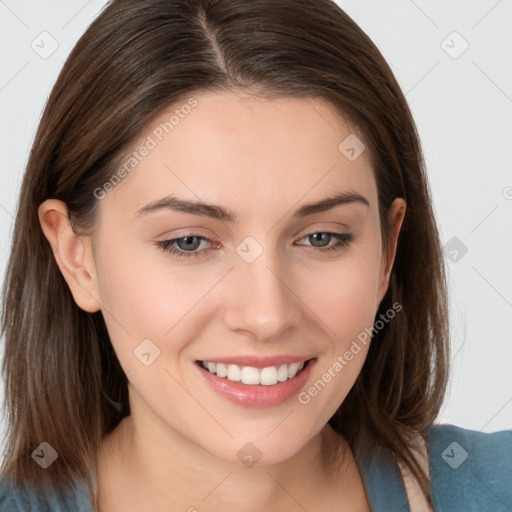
{"points": [[138, 301], [344, 294], [145, 297], [347, 311]]}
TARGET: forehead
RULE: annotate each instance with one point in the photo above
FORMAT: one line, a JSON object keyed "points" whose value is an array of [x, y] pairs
{"points": [[245, 151]]}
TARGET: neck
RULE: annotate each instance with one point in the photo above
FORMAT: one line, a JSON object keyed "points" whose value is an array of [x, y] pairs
{"points": [[161, 469]]}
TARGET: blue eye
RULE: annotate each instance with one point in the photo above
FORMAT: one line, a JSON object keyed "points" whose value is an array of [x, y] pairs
{"points": [[169, 246], [172, 246], [342, 240]]}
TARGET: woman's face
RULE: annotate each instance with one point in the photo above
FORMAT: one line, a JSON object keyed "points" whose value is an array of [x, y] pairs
{"points": [[249, 292]]}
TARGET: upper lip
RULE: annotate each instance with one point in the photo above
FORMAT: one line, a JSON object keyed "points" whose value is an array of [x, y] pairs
{"points": [[259, 361]]}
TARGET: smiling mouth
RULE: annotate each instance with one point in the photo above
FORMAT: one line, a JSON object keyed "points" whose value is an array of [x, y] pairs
{"points": [[268, 376]]}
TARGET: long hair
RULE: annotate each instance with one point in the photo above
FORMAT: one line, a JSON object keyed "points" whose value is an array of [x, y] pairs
{"points": [[63, 382]]}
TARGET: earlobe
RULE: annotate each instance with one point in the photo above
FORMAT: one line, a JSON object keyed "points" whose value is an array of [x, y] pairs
{"points": [[395, 219], [73, 254]]}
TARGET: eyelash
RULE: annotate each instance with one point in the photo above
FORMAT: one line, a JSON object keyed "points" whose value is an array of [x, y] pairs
{"points": [[343, 240]]}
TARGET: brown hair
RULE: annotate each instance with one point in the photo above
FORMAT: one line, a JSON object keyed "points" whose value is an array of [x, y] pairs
{"points": [[63, 382]]}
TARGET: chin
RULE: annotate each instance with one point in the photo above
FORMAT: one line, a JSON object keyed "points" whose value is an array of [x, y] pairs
{"points": [[258, 447]]}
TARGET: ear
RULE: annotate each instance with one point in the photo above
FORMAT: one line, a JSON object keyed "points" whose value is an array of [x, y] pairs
{"points": [[73, 254], [396, 216]]}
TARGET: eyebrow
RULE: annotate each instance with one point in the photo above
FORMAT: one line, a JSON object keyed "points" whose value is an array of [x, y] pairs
{"points": [[216, 212]]}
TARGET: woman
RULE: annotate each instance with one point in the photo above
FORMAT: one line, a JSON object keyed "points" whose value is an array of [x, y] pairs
{"points": [[295, 355]]}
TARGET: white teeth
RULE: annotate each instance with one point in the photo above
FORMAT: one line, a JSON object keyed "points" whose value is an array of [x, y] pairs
{"points": [[234, 373], [249, 375], [282, 373], [292, 370], [222, 370], [268, 376]]}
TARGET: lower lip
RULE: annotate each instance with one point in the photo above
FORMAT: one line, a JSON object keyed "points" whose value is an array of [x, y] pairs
{"points": [[258, 395]]}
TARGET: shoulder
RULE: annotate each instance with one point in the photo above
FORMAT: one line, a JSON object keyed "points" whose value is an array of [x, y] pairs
{"points": [[14, 498], [470, 468], [25, 498]]}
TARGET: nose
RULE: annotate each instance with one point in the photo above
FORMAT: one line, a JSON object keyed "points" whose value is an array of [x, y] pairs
{"points": [[262, 299]]}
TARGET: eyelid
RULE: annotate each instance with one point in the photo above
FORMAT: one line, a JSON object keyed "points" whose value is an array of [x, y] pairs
{"points": [[342, 240]]}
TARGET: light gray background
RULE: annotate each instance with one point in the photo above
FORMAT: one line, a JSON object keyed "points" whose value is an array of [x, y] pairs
{"points": [[463, 110]]}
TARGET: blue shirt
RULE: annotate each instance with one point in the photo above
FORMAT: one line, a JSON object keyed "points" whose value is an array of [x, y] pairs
{"points": [[469, 470]]}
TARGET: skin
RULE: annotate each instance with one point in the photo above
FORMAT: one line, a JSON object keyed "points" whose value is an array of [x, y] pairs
{"points": [[261, 159]]}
